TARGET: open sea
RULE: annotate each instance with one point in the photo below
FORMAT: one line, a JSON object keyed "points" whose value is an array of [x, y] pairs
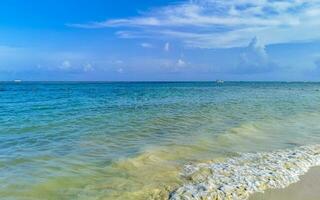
{"points": [[155, 140]]}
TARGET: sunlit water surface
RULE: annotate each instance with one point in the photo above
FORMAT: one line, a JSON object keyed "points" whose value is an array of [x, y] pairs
{"points": [[131, 140]]}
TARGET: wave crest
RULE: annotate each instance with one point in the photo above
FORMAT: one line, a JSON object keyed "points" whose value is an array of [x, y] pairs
{"points": [[237, 178]]}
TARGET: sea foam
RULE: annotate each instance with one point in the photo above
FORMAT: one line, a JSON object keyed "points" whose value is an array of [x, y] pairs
{"points": [[237, 178]]}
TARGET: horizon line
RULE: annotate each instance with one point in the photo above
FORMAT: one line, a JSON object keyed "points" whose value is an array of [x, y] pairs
{"points": [[159, 81]]}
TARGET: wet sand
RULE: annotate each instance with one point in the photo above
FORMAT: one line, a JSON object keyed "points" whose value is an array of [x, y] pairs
{"points": [[308, 188]]}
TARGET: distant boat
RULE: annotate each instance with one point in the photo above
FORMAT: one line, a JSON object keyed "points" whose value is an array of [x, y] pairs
{"points": [[220, 81], [17, 81]]}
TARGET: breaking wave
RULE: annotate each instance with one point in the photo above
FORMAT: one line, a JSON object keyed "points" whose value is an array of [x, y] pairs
{"points": [[237, 178]]}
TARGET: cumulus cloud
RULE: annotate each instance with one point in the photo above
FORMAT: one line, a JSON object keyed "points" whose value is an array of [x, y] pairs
{"points": [[181, 63], [254, 59], [65, 65], [221, 23], [88, 67], [174, 66], [73, 66]]}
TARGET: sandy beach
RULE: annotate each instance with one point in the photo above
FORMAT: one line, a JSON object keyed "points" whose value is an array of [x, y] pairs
{"points": [[306, 189]]}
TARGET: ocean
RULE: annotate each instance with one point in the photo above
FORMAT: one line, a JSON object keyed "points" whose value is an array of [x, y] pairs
{"points": [[154, 140]]}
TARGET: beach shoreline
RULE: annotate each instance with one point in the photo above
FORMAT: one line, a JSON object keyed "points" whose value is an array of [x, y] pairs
{"points": [[307, 189], [240, 177]]}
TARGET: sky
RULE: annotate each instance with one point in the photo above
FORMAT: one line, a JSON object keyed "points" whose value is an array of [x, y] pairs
{"points": [[160, 40]]}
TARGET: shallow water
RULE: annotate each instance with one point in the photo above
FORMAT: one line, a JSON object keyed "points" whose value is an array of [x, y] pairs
{"points": [[132, 140]]}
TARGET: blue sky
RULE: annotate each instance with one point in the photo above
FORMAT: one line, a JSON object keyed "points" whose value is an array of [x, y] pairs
{"points": [[160, 40]]}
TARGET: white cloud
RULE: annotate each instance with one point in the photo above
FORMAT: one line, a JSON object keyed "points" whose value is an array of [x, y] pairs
{"points": [[88, 67], [65, 65], [181, 63], [224, 23], [254, 59], [166, 46], [76, 65], [146, 45]]}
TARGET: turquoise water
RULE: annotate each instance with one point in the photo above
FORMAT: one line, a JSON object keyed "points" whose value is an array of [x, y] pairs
{"points": [[131, 140]]}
